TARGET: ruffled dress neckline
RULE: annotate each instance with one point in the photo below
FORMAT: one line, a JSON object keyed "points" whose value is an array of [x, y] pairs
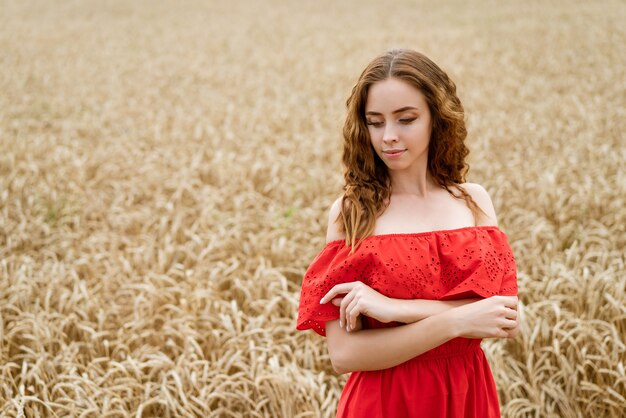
{"points": [[423, 233]]}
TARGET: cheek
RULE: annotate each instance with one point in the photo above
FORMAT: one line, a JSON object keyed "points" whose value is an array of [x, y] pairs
{"points": [[374, 134], [421, 130]]}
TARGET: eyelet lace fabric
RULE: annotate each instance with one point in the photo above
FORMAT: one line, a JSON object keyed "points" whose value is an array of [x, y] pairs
{"points": [[451, 380], [474, 261]]}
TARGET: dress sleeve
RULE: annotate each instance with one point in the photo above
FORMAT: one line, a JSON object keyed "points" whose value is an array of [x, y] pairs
{"points": [[508, 287], [494, 274], [326, 270]]}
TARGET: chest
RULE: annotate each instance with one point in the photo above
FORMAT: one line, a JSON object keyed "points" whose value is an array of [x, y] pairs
{"points": [[430, 266], [413, 215]]}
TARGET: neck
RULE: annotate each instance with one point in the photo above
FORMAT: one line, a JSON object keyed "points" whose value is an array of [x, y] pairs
{"points": [[415, 181]]}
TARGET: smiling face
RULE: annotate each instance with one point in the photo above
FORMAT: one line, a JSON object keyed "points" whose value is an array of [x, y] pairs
{"points": [[399, 123]]}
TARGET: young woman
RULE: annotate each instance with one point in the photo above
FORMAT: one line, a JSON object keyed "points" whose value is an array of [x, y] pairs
{"points": [[415, 271]]}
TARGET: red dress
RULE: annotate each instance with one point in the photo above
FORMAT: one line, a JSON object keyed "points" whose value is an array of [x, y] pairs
{"points": [[452, 380]]}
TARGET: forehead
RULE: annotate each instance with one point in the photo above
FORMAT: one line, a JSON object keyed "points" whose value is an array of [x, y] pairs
{"points": [[391, 94]]}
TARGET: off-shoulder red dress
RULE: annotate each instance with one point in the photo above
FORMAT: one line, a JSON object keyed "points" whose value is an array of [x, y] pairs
{"points": [[452, 380]]}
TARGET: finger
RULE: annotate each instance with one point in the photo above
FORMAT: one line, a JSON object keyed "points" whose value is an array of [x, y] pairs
{"points": [[511, 313], [337, 301], [508, 323], [511, 301], [342, 309], [513, 328], [329, 295], [347, 311], [498, 333], [352, 313], [336, 290], [513, 333]]}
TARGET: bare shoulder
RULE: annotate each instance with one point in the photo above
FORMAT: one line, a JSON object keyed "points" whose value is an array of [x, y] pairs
{"points": [[482, 199], [333, 233]]}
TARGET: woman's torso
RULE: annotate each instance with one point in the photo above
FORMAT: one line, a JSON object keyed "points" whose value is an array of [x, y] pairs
{"points": [[419, 385]]}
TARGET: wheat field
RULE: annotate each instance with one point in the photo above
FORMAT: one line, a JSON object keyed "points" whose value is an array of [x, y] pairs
{"points": [[166, 169]]}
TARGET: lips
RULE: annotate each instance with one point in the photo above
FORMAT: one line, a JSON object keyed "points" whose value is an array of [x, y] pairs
{"points": [[393, 152]]}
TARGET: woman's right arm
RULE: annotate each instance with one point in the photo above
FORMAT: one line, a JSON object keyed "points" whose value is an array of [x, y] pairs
{"points": [[382, 348]]}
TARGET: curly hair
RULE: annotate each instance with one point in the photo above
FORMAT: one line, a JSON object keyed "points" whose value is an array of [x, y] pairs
{"points": [[367, 188]]}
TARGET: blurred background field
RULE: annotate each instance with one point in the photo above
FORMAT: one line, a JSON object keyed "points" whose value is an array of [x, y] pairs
{"points": [[166, 170]]}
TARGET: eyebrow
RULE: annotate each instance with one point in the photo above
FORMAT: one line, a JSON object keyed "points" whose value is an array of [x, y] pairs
{"points": [[402, 109]]}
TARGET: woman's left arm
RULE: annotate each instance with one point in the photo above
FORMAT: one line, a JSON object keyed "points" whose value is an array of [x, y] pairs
{"points": [[360, 299], [413, 310]]}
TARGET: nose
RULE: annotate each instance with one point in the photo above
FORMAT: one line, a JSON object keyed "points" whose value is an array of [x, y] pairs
{"points": [[390, 134]]}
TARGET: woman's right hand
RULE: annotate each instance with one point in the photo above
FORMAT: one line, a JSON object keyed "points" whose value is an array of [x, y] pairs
{"points": [[493, 317]]}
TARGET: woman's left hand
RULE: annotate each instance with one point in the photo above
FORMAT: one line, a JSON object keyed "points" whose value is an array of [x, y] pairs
{"points": [[360, 299]]}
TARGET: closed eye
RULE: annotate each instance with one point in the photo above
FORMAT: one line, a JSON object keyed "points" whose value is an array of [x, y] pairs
{"points": [[404, 121]]}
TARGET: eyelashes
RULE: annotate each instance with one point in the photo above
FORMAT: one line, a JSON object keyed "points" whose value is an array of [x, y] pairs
{"points": [[405, 121]]}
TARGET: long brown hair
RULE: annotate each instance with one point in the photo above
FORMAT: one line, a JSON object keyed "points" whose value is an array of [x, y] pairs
{"points": [[367, 187]]}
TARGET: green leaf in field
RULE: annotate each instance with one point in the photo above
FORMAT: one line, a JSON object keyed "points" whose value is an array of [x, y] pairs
{"points": [[288, 214]]}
